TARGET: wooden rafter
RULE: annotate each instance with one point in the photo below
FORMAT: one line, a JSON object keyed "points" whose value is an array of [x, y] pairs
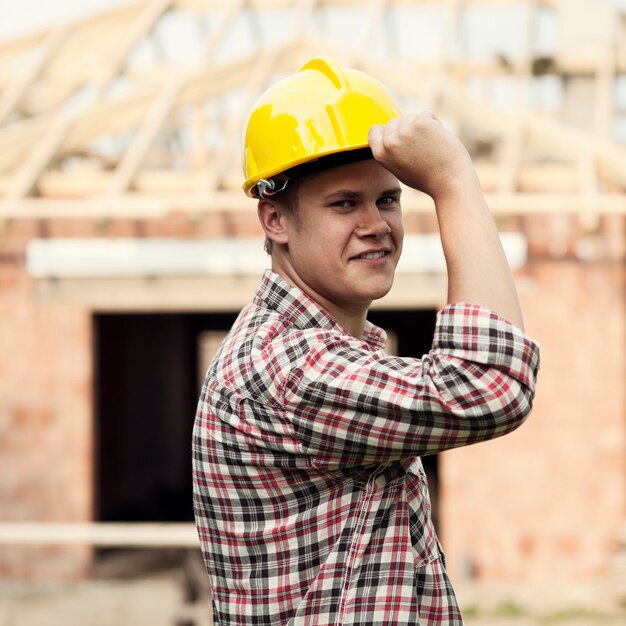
{"points": [[162, 108], [264, 66], [41, 125]]}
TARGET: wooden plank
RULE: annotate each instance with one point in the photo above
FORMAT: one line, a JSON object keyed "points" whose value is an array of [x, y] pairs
{"points": [[26, 179], [258, 5], [221, 161], [16, 140], [153, 122], [89, 183], [74, 65], [447, 51], [589, 189], [13, 48], [410, 291], [9, 149], [162, 108], [129, 535], [375, 19], [143, 206], [263, 68], [112, 117], [579, 36], [216, 37], [13, 94], [151, 14], [49, 148], [605, 91]]}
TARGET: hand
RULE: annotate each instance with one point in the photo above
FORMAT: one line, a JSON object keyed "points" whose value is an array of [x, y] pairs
{"points": [[421, 153]]}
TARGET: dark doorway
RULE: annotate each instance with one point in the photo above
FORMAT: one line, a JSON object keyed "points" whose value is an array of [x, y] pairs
{"points": [[148, 368], [147, 372]]}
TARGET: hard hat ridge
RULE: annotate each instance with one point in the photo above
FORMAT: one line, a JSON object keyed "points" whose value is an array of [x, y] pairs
{"points": [[321, 110]]}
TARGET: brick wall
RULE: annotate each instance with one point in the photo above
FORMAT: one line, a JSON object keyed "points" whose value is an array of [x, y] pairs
{"points": [[543, 503], [47, 388], [546, 502], [45, 416]]}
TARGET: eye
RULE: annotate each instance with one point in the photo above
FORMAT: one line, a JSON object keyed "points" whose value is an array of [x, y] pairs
{"points": [[387, 200], [343, 204]]}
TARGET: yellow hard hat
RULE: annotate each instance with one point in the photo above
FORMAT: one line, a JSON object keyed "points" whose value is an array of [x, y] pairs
{"points": [[322, 110]]}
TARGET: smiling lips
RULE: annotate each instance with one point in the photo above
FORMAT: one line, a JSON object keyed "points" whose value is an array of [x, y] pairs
{"points": [[373, 255]]}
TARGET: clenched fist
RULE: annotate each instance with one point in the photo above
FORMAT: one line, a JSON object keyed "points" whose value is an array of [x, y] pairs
{"points": [[422, 153]]}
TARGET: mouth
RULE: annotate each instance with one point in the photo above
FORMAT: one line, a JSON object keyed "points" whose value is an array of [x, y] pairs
{"points": [[372, 255]]}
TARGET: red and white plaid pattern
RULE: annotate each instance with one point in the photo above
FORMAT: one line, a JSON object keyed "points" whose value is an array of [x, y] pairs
{"points": [[311, 502]]}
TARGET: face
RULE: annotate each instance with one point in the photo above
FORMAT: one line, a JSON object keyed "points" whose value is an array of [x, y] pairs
{"points": [[345, 239]]}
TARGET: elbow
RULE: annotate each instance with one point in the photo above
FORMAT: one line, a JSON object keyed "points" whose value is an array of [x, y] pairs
{"points": [[488, 401], [508, 408], [520, 406]]}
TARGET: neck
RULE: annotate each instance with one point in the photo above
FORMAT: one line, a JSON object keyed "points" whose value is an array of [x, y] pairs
{"points": [[352, 316]]}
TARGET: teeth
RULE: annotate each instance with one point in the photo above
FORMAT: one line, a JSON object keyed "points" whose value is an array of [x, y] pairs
{"points": [[372, 255]]}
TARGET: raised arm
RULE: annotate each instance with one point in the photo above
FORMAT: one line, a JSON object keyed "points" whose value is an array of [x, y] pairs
{"points": [[424, 155]]}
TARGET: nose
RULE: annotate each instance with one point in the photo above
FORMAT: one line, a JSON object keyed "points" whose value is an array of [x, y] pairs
{"points": [[371, 223]]}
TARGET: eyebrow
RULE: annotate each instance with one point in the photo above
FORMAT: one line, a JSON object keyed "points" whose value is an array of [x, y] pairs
{"points": [[341, 194]]}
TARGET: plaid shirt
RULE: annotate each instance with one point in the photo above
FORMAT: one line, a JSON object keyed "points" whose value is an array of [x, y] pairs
{"points": [[311, 502]]}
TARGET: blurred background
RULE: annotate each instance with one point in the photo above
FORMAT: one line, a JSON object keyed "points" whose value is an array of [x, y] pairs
{"points": [[127, 248]]}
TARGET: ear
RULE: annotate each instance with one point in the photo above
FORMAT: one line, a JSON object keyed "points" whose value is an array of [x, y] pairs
{"points": [[273, 220]]}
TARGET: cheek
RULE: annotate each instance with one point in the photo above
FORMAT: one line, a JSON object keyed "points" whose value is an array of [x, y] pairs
{"points": [[329, 234], [397, 228]]}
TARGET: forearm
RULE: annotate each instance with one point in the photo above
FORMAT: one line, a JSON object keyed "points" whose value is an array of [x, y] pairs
{"points": [[478, 271], [426, 156]]}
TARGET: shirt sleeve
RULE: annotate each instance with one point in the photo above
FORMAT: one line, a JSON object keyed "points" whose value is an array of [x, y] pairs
{"points": [[349, 405]]}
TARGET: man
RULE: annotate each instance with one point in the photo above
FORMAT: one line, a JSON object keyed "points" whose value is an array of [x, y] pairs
{"points": [[311, 502]]}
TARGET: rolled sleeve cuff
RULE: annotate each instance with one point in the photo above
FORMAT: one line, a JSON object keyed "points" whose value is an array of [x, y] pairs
{"points": [[474, 333]]}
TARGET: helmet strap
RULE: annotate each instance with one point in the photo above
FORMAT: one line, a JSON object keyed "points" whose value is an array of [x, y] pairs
{"points": [[268, 187]]}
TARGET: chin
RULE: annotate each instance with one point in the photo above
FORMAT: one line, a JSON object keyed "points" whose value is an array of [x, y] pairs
{"points": [[377, 294]]}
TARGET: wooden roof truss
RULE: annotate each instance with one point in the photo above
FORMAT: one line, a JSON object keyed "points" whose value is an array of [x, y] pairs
{"points": [[107, 116]]}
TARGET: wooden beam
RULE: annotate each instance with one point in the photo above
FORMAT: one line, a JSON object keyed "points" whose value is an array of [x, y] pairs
{"points": [[162, 109], [511, 160], [74, 65], [153, 122], [589, 189], [375, 18], [129, 535], [203, 6], [605, 91], [18, 140], [263, 69], [49, 148], [443, 65], [91, 183], [550, 137], [113, 117], [182, 293], [13, 94], [14, 48], [149, 16], [139, 206], [26, 178], [216, 37]]}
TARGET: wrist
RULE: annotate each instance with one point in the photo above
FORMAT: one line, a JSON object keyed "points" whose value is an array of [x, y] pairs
{"points": [[459, 186]]}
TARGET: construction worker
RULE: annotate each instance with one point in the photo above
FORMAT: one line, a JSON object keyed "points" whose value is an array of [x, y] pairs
{"points": [[311, 502]]}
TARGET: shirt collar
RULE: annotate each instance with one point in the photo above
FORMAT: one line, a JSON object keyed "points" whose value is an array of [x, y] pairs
{"points": [[277, 294]]}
